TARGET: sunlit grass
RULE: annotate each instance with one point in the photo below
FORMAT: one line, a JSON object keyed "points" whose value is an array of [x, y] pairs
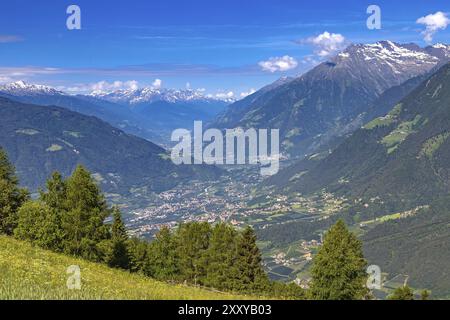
{"points": [[28, 272]]}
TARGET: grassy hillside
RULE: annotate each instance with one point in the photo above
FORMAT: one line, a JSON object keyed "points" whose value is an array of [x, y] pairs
{"points": [[29, 272]]}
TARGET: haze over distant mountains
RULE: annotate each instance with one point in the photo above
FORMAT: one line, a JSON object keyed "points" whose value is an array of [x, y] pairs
{"points": [[314, 109], [135, 97], [42, 139], [148, 112]]}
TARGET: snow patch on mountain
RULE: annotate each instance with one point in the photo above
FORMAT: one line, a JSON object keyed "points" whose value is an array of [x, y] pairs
{"points": [[149, 95], [391, 62], [21, 88]]}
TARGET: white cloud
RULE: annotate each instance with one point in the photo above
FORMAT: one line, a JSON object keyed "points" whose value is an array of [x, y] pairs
{"points": [[106, 86], [433, 23], [279, 64], [24, 73], [327, 43], [5, 79], [222, 95], [13, 74], [225, 95], [157, 84], [245, 94], [9, 38]]}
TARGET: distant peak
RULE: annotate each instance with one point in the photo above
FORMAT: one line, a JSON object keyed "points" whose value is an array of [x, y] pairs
{"points": [[23, 88], [390, 50], [152, 94], [20, 83], [440, 46]]}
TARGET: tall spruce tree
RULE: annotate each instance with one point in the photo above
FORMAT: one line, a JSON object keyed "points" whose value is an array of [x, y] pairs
{"points": [[56, 194], [11, 196], [118, 257], [249, 273], [192, 242], [83, 223], [164, 259], [140, 252], [220, 257], [339, 269]]}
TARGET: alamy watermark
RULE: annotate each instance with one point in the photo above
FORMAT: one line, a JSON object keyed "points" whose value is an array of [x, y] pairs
{"points": [[73, 22], [74, 279], [228, 147], [374, 20], [374, 279]]}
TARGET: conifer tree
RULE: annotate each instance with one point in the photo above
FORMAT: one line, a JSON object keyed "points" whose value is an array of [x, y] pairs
{"points": [[139, 252], [11, 196], [402, 293], [83, 223], [56, 193], [118, 256], [339, 269], [164, 262], [249, 272], [220, 257], [192, 242]]}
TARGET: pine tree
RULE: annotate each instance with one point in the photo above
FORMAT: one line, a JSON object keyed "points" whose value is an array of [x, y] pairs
{"points": [[339, 269], [56, 193], [11, 196], [402, 293], [192, 242], [83, 223], [118, 257], [139, 256], [220, 257], [249, 272], [164, 262]]}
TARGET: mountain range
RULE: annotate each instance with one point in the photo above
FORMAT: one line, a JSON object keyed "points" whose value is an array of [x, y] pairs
{"points": [[396, 169], [149, 113], [401, 155], [165, 110], [331, 100]]}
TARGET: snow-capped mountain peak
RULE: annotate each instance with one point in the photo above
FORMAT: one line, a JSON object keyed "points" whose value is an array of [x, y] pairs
{"points": [[150, 94], [440, 50], [441, 46], [390, 63], [21, 88], [391, 52]]}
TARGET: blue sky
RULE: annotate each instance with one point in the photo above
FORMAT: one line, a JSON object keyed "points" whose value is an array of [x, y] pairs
{"points": [[217, 45]]}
